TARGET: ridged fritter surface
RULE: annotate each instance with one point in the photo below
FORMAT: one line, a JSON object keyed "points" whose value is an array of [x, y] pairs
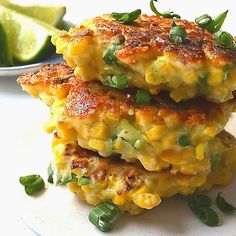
{"points": [[130, 186], [147, 57], [108, 121]]}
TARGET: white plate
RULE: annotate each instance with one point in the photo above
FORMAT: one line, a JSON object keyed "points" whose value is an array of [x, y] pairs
{"points": [[57, 211]]}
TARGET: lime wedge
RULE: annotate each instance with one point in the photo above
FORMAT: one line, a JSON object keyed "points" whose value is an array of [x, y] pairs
{"points": [[5, 55], [29, 38], [49, 14]]}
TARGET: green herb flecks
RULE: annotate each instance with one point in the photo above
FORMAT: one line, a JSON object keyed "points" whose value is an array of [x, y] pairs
{"points": [[142, 97], [167, 14], [119, 82], [83, 181], [184, 140], [212, 25], [109, 56], [126, 18], [102, 215], [225, 39], [224, 206], [50, 174], [178, 34], [32, 183], [200, 206]]}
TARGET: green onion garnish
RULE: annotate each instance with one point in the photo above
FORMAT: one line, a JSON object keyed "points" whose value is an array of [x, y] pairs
{"points": [[224, 206], [32, 183], [216, 160], [200, 206], [227, 70], [178, 34], [102, 215], [126, 18], [50, 174], [212, 25], [109, 56], [167, 14], [224, 38], [142, 97], [184, 140], [119, 82], [83, 181]]}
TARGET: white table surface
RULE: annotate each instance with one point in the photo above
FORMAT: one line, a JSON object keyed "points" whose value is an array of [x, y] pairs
{"points": [[18, 111]]}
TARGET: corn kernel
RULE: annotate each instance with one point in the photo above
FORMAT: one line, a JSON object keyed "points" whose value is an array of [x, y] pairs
{"points": [[156, 133], [147, 200], [120, 199], [100, 131], [169, 141], [118, 144], [216, 76], [200, 151], [190, 78], [77, 48], [96, 144], [210, 131]]}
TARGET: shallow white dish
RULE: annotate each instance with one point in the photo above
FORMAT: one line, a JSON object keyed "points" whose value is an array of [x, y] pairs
{"points": [[15, 71]]}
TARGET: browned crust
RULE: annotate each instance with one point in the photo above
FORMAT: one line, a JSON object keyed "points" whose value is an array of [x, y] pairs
{"points": [[150, 34]]}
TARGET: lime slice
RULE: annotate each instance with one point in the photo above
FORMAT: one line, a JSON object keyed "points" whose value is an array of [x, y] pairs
{"points": [[49, 14], [5, 55], [29, 38]]}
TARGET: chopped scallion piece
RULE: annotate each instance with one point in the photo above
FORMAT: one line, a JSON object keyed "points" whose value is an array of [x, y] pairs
{"points": [[102, 215], [50, 174], [83, 181], [224, 206], [109, 56], [167, 14], [200, 200], [142, 97], [178, 34], [126, 18], [212, 25], [224, 38], [119, 82], [32, 183], [216, 160], [184, 140]]}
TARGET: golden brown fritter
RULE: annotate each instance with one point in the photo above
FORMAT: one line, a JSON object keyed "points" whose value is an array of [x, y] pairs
{"points": [[161, 135]]}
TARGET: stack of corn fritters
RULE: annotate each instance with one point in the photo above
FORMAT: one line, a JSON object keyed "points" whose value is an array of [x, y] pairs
{"points": [[130, 152]]}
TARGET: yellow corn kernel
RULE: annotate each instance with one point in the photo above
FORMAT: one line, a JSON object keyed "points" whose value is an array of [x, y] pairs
{"points": [[78, 47], [154, 91], [117, 144], [216, 76], [190, 78], [59, 150], [210, 131], [120, 199], [86, 188], [151, 79], [147, 200], [100, 131], [96, 144], [200, 151], [83, 131], [156, 133], [169, 141]]}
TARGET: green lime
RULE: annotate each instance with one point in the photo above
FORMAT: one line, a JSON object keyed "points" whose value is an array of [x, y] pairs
{"points": [[49, 14], [29, 38], [5, 55]]}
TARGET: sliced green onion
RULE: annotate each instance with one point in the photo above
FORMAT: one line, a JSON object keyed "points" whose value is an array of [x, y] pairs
{"points": [[203, 20], [200, 206], [83, 181], [109, 56], [102, 215], [119, 82], [203, 85], [50, 174], [139, 143], [200, 201], [184, 140], [224, 38], [212, 25], [32, 183], [178, 34], [126, 18], [227, 70], [63, 181], [216, 160], [167, 14], [142, 97], [224, 206]]}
